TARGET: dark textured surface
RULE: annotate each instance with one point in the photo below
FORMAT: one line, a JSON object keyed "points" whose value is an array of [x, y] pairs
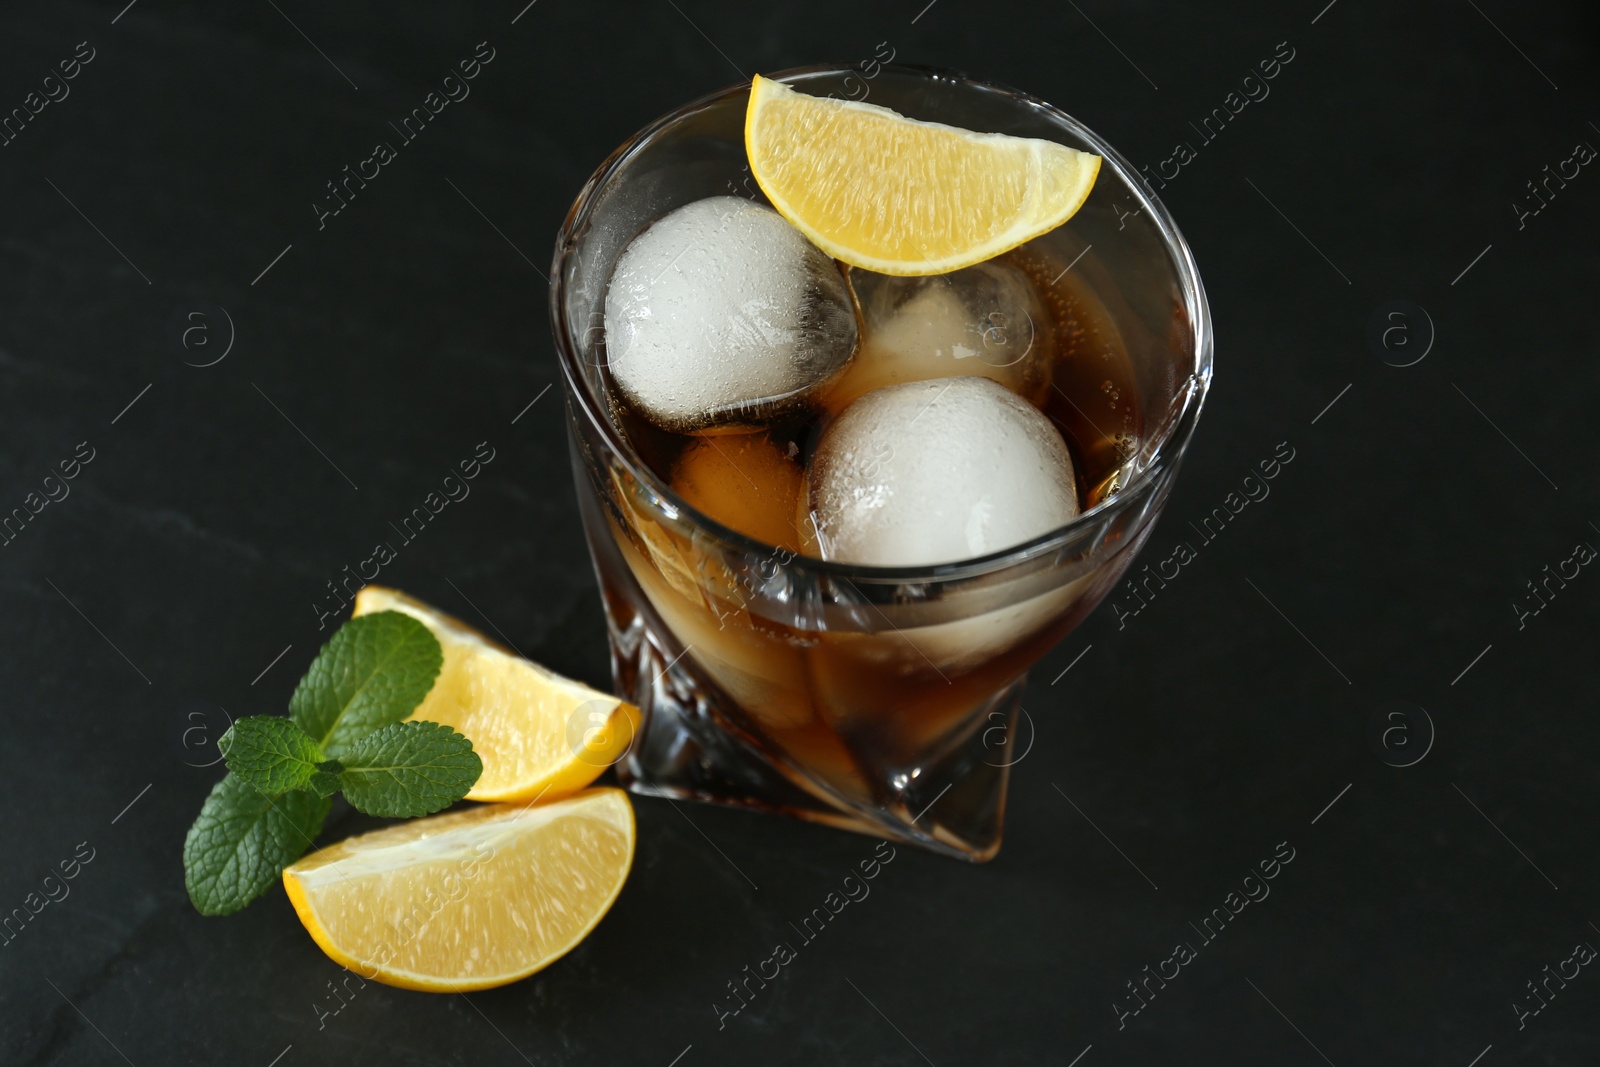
{"points": [[1220, 721]]}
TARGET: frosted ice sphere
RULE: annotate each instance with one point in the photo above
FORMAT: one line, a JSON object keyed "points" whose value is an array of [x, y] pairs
{"points": [[986, 321], [721, 315], [935, 472]]}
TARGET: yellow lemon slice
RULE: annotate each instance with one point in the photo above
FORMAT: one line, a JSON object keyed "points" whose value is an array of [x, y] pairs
{"points": [[539, 735], [471, 899], [890, 194]]}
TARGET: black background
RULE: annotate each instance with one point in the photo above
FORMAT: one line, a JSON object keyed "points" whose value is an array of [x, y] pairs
{"points": [[1220, 721]]}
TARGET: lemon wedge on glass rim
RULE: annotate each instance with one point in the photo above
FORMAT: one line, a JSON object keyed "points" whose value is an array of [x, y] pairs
{"points": [[894, 195]]}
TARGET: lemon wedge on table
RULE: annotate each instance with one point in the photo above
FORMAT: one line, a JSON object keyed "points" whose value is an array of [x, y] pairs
{"points": [[539, 735], [890, 194], [470, 899]]}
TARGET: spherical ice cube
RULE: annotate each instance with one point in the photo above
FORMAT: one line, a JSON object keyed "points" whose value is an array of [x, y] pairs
{"points": [[935, 472], [721, 316], [986, 321]]}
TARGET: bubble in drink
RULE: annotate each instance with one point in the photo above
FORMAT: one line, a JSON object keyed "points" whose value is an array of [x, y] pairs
{"points": [[986, 321], [935, 472], [721, 316]]}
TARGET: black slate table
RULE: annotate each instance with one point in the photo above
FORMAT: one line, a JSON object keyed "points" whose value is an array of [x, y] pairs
{"points": [[1352, 683]]}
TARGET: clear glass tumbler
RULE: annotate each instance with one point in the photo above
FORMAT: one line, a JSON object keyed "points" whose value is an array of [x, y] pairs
{"points": [[877, 699]]}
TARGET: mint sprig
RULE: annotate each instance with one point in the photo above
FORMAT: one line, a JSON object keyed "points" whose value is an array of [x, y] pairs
{"points": [[344, 734], [401, 771]]}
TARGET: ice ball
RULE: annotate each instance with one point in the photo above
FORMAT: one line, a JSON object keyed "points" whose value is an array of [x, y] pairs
{"points": [[935, 472], [721, 316]]}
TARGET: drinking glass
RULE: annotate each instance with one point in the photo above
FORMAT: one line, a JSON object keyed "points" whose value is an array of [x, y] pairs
{"points": [[878, 699]]}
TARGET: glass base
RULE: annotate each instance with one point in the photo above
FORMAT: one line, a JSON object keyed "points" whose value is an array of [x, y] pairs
{"points": [[690, 748]]}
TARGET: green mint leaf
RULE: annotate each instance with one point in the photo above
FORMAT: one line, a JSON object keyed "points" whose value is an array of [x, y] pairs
{"points": [[238, 847], [409, 769], [372, 672], [271, 753]]}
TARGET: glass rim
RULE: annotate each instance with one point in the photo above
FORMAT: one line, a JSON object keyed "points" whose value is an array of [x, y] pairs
{"points": [[1172, 435]]}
